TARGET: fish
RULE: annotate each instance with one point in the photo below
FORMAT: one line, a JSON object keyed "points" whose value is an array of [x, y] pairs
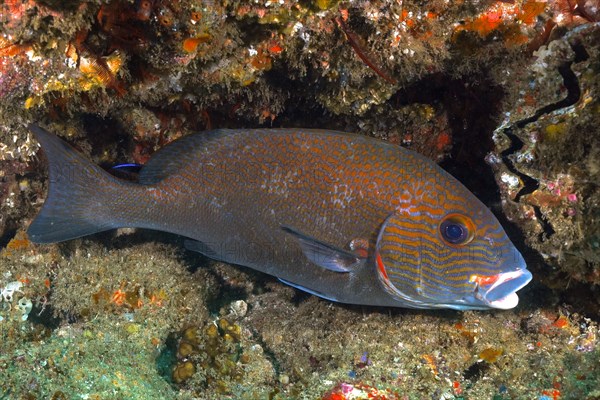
{"points": [[127, 171], [342, 216]]}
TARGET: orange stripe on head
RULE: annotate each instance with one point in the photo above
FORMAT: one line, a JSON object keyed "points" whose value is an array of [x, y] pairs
{"points": [[484, 280], [381, 267]]}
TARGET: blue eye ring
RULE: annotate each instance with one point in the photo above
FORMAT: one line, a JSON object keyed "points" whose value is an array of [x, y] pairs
{"points": [[456, 230]]}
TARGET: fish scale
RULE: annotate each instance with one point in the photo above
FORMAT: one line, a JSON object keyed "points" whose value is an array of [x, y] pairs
{"points": [[288, 202]]}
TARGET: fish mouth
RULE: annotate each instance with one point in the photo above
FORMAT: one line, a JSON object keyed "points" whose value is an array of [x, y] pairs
{"points": [[501, 290]]}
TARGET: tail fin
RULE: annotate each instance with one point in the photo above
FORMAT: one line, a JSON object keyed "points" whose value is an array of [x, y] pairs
{"points": [[73, 207]]}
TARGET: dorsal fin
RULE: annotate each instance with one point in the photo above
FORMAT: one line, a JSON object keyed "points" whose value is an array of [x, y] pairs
{"points": [[177, 155], [184, 151]]}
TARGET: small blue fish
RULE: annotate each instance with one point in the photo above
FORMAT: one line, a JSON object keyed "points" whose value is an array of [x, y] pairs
{"points": [[128, 171]]}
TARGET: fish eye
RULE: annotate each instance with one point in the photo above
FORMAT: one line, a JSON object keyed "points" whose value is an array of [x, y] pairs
{"points": [[457, 229], [454, 233]]}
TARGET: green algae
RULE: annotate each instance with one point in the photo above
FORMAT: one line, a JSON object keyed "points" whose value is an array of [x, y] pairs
{"points": [[98, 359]]}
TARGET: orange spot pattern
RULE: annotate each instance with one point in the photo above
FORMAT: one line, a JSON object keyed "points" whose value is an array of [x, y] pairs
{"points": [[507, 18]]}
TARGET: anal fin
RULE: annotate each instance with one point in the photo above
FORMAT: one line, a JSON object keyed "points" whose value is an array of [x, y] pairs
{"points": [[313, 292], [202, 248]]}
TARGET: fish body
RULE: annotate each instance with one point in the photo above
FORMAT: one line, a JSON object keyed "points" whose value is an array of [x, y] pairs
{"points": [[342, 216]]}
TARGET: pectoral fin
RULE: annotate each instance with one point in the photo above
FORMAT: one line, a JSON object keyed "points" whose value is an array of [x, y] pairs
{"points": [[325, 255]]}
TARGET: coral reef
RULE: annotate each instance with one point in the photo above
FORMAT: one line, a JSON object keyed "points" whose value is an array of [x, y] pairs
{"points": [[416, 354], [132, 315], [221, 357], [120, 308]]}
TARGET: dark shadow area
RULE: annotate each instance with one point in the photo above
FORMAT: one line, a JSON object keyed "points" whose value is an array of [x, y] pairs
{"points": [[471, 121], [167, 358], [9, 233]]}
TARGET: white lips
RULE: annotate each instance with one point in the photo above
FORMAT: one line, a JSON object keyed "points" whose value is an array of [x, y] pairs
{"points": [[506, 303]]}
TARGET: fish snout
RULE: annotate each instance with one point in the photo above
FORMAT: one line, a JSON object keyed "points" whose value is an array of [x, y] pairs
{"points": [[499, 291]]}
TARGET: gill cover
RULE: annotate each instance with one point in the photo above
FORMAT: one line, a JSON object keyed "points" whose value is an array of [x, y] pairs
{"points": [[424, 260], [398, 261]]}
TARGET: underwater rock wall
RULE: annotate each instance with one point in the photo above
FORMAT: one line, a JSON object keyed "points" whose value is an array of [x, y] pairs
{"points": [[546, 159]]}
